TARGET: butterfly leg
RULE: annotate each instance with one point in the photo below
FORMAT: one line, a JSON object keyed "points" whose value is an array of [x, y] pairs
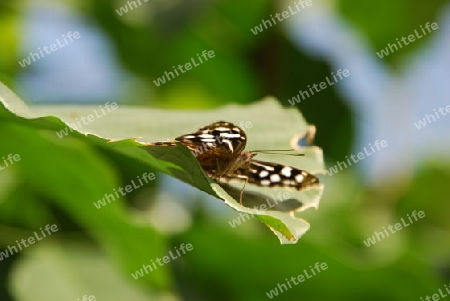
{"points": [[218, 174], [243, 188], [227, 171]]}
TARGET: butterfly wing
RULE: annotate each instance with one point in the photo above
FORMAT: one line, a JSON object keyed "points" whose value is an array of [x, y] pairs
{"points": [[268, 174], [216, 145], [223, 136]]}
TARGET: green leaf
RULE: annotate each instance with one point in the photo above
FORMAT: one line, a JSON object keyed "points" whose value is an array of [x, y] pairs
{"points": [[267, 124]]}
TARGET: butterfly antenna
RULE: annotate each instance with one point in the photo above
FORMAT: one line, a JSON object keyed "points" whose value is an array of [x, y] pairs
{"points": [[269, 152]]}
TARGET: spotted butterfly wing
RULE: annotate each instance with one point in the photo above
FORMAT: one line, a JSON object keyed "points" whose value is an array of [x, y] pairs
{"points": [[221, 137], [217, 146], [268, 174]]}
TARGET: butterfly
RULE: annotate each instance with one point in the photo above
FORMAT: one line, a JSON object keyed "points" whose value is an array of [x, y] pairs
{"points": [[219, 148]]}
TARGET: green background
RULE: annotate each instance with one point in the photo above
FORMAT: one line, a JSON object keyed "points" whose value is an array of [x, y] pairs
{"points": [[94, 251]]}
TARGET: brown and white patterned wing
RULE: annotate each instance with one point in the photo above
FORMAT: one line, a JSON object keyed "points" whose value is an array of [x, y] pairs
{"points": [[268, 174]]}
